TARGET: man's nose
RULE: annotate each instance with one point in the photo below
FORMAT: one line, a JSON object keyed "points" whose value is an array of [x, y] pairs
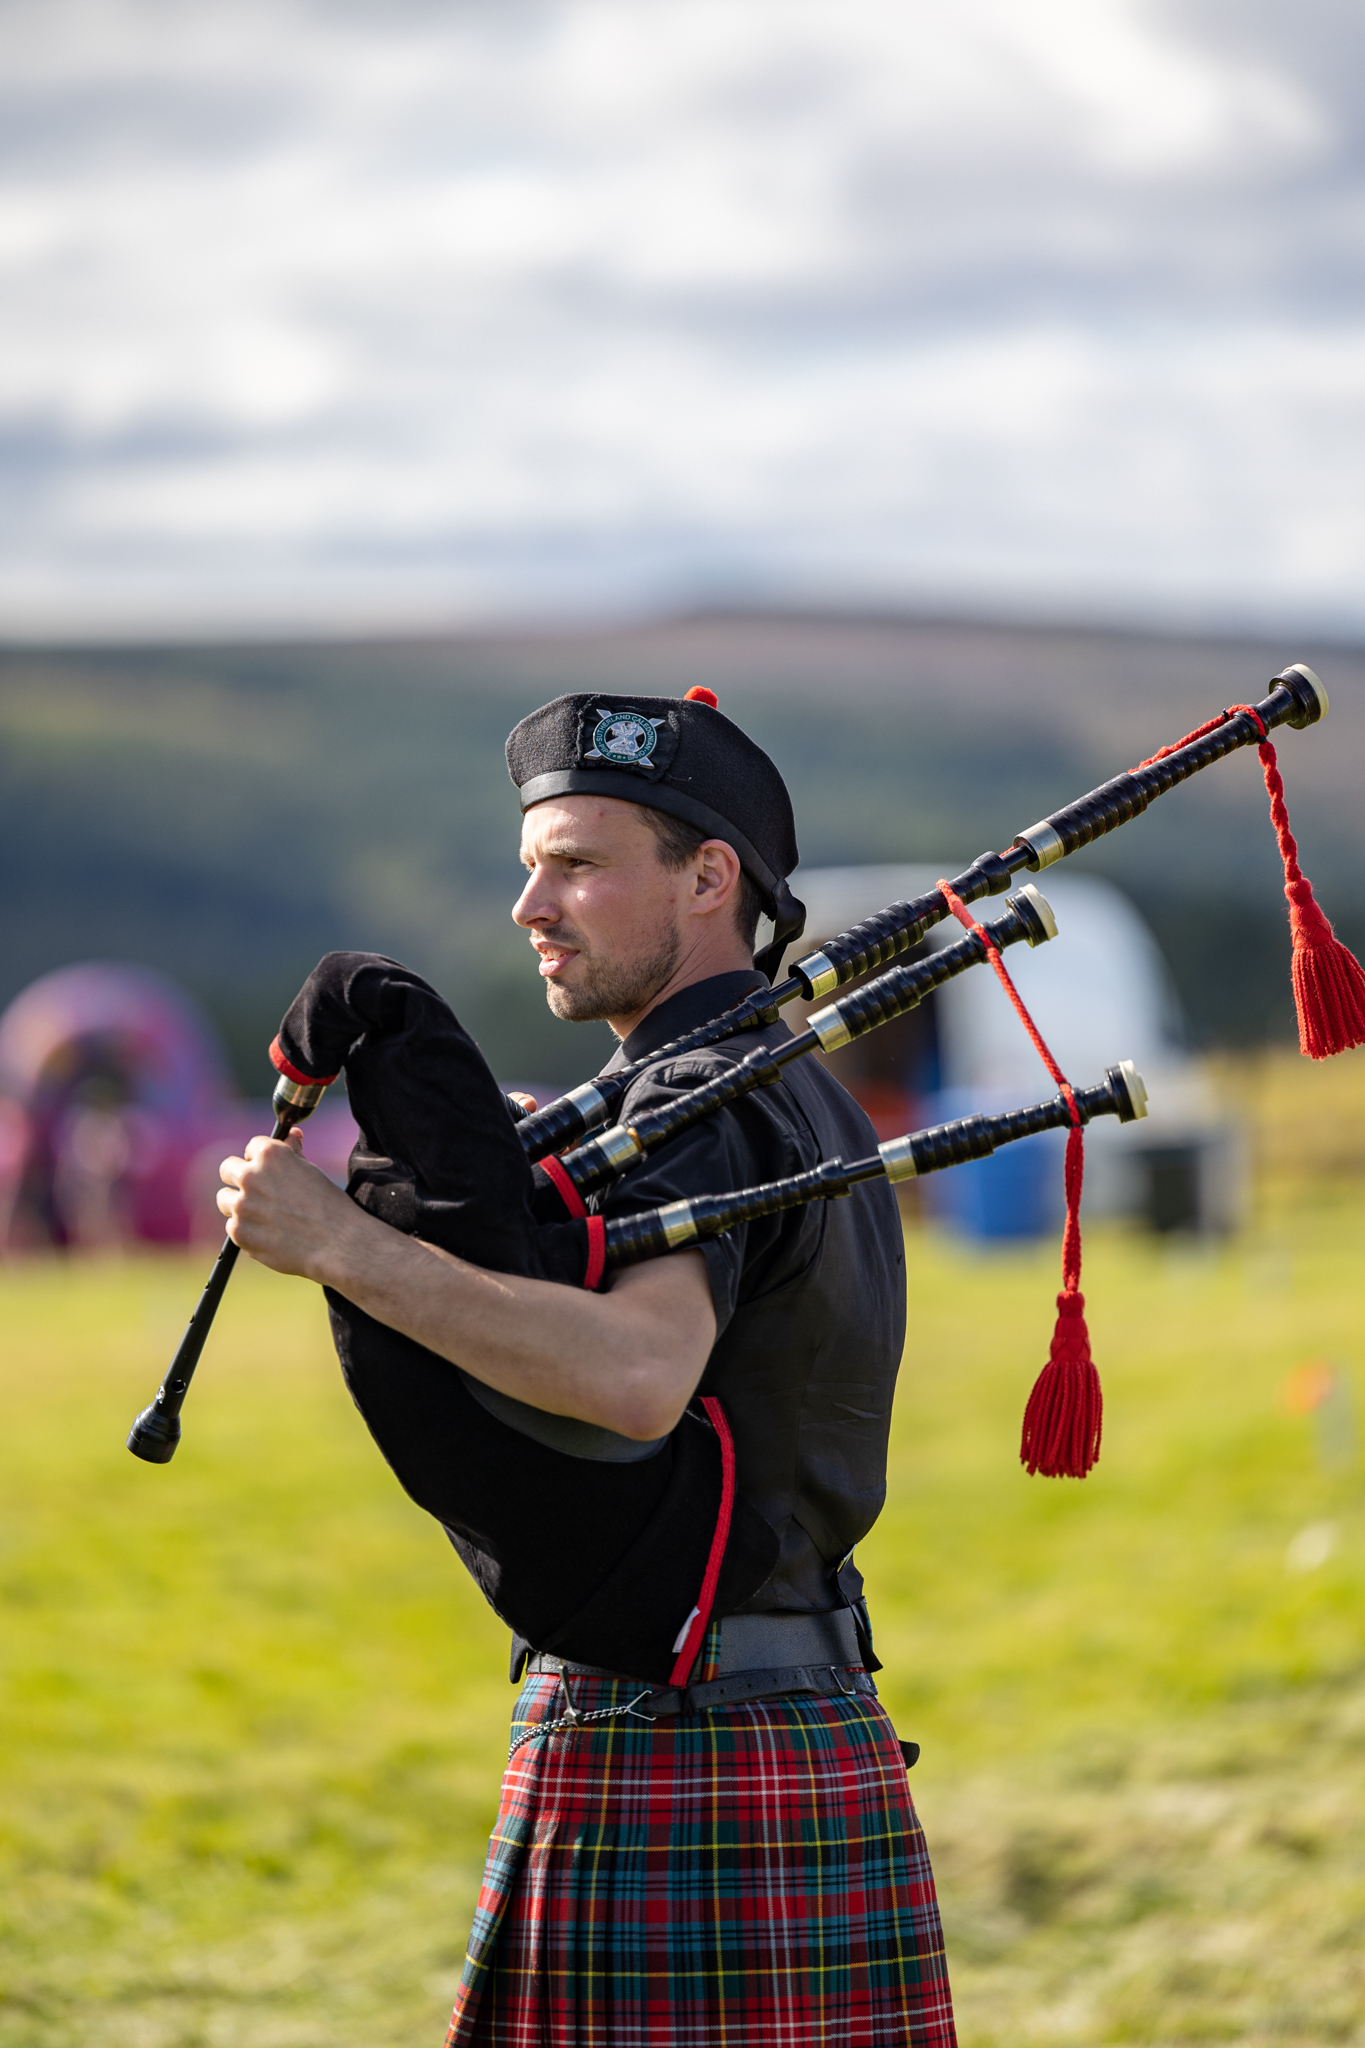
{"points": [[534, 905]]}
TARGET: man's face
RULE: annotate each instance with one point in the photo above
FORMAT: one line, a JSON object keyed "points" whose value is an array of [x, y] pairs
{"points": [[604, 915]]}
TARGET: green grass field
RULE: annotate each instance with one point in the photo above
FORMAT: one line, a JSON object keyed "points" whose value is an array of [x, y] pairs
{"points": [[253, 1715]]}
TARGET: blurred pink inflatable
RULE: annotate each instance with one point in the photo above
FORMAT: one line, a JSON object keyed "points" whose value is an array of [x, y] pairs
{"points": [[115, 1109]]}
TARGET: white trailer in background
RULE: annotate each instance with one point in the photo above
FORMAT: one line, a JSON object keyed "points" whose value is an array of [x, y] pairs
{"points": [[1099, 993]]}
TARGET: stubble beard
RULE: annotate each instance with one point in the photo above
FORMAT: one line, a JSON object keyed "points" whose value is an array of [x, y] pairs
{"points": [[615, 988]]}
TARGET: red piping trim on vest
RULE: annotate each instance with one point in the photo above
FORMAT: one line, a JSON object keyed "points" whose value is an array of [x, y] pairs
{"points": [[568, 1193], [706, 1599], [597, 1251], [293, 1073]]}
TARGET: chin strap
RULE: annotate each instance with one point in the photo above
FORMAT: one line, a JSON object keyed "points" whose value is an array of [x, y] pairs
{"points": [[789, 921]]}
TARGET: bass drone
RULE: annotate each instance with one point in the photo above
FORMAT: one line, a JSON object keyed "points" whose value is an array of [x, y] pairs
{"points": [[612, 1564]]}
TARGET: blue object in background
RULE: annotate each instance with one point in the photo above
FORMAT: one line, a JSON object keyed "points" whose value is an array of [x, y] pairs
{"points": [[1017, 1193]]}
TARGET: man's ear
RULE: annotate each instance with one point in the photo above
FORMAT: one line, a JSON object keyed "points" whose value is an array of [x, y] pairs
{"points": [[716, 875]]}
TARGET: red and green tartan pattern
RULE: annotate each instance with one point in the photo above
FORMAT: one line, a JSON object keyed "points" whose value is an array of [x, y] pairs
{"points": [[746, 1877]]}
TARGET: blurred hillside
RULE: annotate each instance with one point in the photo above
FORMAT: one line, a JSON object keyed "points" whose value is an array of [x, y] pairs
{"points": [[226, 813]]}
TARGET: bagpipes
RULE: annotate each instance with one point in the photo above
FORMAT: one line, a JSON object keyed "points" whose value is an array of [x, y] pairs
{"points": [[602, 1571]]}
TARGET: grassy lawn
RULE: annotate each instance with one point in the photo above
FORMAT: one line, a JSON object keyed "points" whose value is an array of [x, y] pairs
{"points": [[253, 1715]]}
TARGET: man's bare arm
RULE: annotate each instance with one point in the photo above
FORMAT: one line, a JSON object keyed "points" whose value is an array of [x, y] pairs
{"points": [[629, 1360]]}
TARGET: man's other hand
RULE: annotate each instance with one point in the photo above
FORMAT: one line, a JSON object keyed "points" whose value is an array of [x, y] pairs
{"points": [[280, 1209]]}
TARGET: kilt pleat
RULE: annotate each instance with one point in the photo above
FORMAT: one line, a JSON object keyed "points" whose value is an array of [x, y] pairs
{"points": [[746, 1877]]}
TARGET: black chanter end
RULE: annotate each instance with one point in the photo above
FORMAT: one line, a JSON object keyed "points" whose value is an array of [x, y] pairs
{"points": [[154, 1436], [156, 1433]]}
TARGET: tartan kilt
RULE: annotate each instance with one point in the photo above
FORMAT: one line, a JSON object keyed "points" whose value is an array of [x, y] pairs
{"points": [[753, 1876]]}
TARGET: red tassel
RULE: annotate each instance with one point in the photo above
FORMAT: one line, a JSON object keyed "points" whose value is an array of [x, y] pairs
{"points": [[1329, 986], [1065, 1413]]}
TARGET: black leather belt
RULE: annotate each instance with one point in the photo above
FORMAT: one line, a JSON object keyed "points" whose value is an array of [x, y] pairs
{"points": [[661, 1702], [822, 1655], [761, 1655]]}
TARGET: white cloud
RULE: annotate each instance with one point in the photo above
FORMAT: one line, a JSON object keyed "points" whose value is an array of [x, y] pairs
{"points": [[381, 311]]}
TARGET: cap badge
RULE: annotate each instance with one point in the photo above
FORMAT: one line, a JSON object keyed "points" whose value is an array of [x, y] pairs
{"points": [[624, 738]]}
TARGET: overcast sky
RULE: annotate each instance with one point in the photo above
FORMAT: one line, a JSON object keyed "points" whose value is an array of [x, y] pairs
{"points": [[387, 312]]}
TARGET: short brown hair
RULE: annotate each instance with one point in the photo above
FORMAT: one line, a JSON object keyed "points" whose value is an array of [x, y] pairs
{"points": [[677, 843]]}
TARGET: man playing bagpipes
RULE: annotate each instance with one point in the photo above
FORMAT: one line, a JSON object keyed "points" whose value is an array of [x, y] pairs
{"points": [[705, 1833]]}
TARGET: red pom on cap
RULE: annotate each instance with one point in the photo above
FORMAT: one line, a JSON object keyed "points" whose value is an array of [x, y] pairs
{"points": [[699, 694]]}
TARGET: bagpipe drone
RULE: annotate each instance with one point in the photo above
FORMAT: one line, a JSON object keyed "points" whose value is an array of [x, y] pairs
{"points": [[602, 1571]]}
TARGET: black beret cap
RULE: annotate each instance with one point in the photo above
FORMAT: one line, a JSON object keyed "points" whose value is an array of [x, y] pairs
{"points": [[674, 754]]}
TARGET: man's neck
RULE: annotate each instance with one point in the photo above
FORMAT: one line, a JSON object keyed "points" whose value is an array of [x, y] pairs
{"points": [[683, 1012], [703, 964]]}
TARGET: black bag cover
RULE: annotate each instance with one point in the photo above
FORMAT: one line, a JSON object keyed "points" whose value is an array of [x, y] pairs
{"points": [[594, 1561]]}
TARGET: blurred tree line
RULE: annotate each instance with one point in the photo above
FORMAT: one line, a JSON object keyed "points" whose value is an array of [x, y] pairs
{"points": [[228, 812]]}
